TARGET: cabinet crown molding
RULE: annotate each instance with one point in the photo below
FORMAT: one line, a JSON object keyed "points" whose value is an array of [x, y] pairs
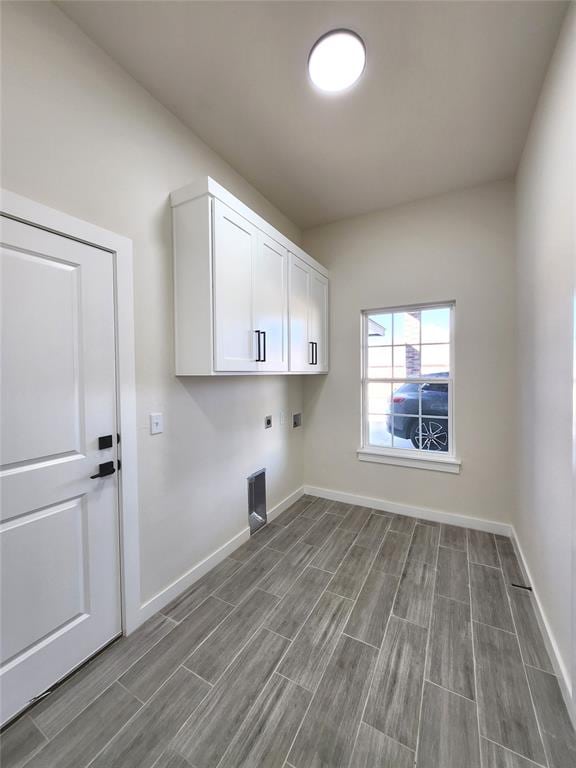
{"points": [[207, 186]]}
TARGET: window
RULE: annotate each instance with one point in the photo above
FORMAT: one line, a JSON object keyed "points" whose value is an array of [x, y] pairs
{"points": [[407, 384]]}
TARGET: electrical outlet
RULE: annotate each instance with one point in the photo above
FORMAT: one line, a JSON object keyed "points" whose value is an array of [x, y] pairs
{"points": [[156, 423], [267, 422], [296, 420]]}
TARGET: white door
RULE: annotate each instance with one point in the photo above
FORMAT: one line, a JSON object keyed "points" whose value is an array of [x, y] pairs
{"points": [[59, 538], [235, 244], [299, 296], [318, 333], [271, 305]]}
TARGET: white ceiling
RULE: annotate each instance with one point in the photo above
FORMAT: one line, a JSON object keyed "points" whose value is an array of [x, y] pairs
{"points": [[445, 101]]}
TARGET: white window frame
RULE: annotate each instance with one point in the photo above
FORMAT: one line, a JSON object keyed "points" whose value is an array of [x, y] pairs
{"points": [[406, 457]]}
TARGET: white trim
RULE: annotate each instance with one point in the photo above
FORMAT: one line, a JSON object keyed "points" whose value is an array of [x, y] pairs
{"points": [[206, 185], [426, 513], [410, 459], [374, 453], [39, 215], [166, 595], [560, 669]]}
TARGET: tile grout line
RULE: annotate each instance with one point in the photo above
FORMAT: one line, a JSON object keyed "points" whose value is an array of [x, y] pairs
{"points": [[474, 661], [274, 671], [492, 626], [265, 546], [132, 694], [539, 669], [242, 647], [260, 627], [40, 729], [313, 693], [358, 640], [443, 687], [286, 763], [128, 722], [115, 680], [507, 749], [426, 654], [378, 655], [524, 666]]}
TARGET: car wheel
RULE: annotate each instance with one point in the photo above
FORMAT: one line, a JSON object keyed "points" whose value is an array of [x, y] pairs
{"points": [[432, 436]]}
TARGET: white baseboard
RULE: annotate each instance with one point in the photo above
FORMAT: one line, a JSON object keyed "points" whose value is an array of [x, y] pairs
{"points": [[435, 515], [285, 503], [547, 633], [166, 595]]}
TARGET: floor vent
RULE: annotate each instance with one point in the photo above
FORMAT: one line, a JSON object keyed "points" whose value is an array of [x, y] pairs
{"points": [[257, 500]]}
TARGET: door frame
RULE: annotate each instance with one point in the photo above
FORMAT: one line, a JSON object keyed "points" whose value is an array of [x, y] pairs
{"points": [[37, 215]]}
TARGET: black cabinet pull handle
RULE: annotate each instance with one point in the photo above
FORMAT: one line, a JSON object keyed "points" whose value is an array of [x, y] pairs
{"points": [[311, 362], [258, 348], [314, 353], [104, 470], [263, 360]]}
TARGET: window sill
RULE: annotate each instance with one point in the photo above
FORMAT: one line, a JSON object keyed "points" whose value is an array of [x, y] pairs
{"points": [[400, 459]]}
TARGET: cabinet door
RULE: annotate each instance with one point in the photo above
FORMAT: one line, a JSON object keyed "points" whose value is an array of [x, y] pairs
{"points": [[235, 253], [318, 320], [299, 297], [271, 304]]}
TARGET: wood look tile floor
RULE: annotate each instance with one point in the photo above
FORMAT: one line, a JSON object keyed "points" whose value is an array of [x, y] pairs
{"points": [[337, 637]]}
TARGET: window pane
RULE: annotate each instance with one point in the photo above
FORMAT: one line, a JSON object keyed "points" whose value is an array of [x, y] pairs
{"points": [[434, 399], [379, 399], [435, 359], [436, 325], [379, 431], [402, 430], [431, 434], [407, 361], [379, 329], [379, 362], [405, 397], [407, 327]]}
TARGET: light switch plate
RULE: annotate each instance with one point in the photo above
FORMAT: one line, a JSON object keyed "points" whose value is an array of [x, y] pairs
{"points": [[156, 423]]}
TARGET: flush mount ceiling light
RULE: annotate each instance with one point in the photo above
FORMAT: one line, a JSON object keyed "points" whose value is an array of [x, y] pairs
{"points": [[337, 60]]}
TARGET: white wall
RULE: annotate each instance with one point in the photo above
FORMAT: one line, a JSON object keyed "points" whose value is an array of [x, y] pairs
{"points": [[79, 135], [546, 207], [456, 247]]}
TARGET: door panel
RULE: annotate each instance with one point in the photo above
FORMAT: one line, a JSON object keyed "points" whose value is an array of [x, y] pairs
{"points": [[319, 319], [234, 261], [300, 358], [271, 310], [28, 561], [58, 527], [47, 383]]}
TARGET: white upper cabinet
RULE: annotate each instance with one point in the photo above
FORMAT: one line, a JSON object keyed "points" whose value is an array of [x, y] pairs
{"points": [[271, 304], [241, 303], [308, 290], [318, 328], [235, 262]]}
